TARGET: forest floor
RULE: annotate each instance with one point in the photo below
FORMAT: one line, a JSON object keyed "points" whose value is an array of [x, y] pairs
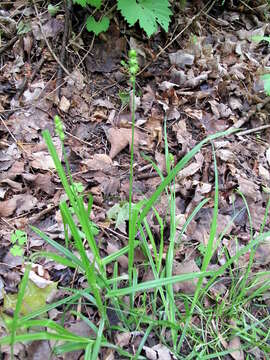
{"points": [[204, 77]]}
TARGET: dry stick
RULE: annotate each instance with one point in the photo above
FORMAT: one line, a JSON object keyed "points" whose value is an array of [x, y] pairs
{"points": [[250, 131], [13, 137], [48, 44], [63, 49], [10, 133], [9, 44], [38, 216]]}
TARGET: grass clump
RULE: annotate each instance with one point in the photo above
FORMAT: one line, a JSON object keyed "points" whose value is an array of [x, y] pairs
{"points": [[153, 307]]}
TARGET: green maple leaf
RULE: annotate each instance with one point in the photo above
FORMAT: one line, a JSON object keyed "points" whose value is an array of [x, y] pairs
{"points": [[94, 3], [97, 26], [149, 13]]}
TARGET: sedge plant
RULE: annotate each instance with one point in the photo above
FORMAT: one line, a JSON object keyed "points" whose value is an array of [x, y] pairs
{"points": [[153, 304]]}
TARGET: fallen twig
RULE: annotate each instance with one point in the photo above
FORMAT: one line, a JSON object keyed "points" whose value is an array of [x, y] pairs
{"points": [[59, 81], [9, 44], [250, 131]]}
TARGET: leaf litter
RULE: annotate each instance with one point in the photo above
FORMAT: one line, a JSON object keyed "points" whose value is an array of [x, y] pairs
{"points": [[211, 84]]}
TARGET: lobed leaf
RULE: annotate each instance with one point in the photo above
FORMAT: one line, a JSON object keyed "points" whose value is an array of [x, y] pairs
{"points": [[149, 13], [97, 27]]}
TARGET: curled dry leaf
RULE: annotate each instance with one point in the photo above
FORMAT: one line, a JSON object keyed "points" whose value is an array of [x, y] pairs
{"points": [[98, 162], [225, 155], [123, 339], [20, 203], [248, 188], [154, 126], [188, 171], [235, 347], [42, 159], [64, 104], [103, 103], [181, 59], [123, 260], [158, 351], [195, 81]]}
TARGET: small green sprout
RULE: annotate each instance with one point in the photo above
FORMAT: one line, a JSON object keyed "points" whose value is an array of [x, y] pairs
{"points": [[18, 239], [53, 9], [59, 129], [133, 65], [77, 187]]}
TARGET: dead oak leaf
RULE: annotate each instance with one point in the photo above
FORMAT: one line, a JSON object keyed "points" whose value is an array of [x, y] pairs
{"points": [[154, 126], [41, 181], [186, 267], [16, 169], [8, 207], [20, 203], [248, 188], [158, 351], [188, 171], [42, 159], [98, 162], [120, 138]]}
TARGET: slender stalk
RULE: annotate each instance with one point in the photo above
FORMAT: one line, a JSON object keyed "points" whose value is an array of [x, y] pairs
{"points": [[131, 223]]}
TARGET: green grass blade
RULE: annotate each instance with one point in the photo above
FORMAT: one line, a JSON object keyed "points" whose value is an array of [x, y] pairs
{"points": [[265, 216], [68, 254], [59, 168], [88, 352], [97, 345], [43, 336], [70, 299], [18, 307], [179, 166], [234, 258], [88, 268], [152, 284], [207, 257], [191, 217], [131, 222], [57, 258]]}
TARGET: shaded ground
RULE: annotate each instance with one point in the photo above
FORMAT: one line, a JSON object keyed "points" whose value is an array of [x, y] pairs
{"points": [[207, 79]]}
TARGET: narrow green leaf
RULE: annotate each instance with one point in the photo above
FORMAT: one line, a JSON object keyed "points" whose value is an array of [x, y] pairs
{"points": [[157, 283]]}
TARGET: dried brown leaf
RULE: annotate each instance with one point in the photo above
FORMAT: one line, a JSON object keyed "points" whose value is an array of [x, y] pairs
{"points": [[158, 351], [120, 138], [99, 162], [8, 207], [186, 267], [235, 347], [64, 104]]}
